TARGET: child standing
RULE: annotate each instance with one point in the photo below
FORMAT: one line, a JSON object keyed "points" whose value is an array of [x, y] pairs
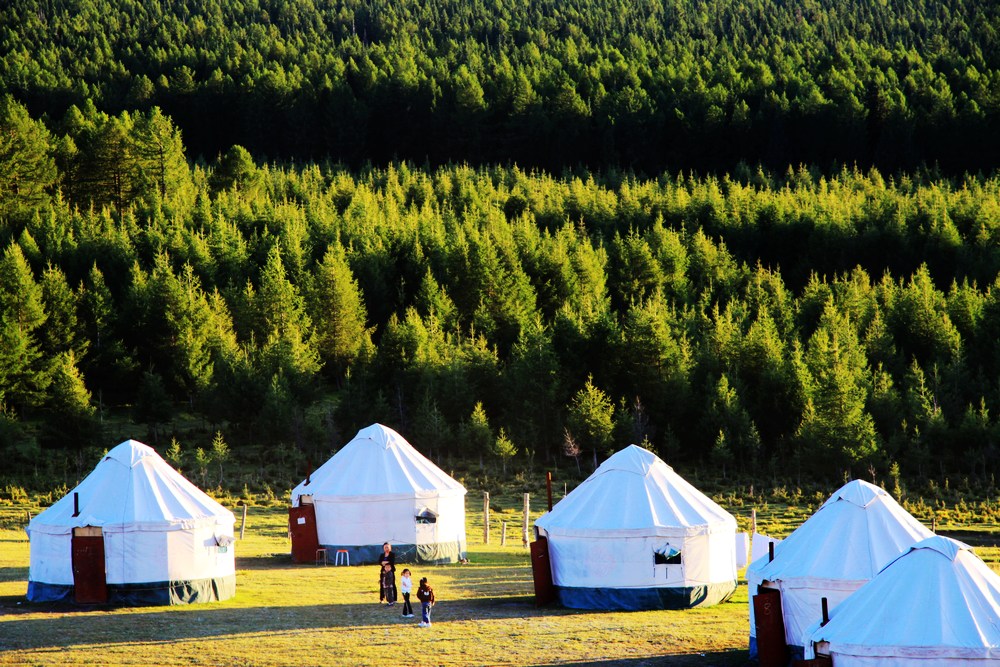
{"points": [[388, 584], [405, 586], [426, 596]]}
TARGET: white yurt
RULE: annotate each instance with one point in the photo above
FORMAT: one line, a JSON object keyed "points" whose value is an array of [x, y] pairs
{"points": [[134, 531], [379, 489], [937, 604], [841, 547], [635, 535]]}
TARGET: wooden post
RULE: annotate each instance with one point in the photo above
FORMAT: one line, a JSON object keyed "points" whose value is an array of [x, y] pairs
{"points": [[503, 534], [527, 519], [243, 524], [548, 488], [753, 522], [486, 517], [934, 524]]}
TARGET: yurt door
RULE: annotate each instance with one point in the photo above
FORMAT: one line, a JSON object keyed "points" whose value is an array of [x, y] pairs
{"points": [[770, 626], [90, 582], [541, 572], [302, 528]]}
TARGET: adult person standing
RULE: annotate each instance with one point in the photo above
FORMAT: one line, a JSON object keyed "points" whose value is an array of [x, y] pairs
{"points": [[388, 557]]}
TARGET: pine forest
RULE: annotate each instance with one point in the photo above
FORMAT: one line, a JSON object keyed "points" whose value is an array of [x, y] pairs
{"points": [[755, 234]]}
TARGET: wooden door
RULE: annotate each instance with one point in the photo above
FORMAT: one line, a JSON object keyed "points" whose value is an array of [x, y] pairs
{"points": [[772, 650], [302, 528], [541, 572], [90, 581]]}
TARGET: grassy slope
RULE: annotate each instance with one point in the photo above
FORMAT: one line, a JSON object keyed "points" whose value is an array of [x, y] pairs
{"points": [[309, 615]]}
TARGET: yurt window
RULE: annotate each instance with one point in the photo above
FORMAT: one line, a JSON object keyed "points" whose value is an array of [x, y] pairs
{"points": [[222, 542], [426, 516], [666, 555]]}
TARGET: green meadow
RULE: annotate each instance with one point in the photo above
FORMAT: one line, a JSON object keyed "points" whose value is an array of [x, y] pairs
{"points": [[287, 614]]}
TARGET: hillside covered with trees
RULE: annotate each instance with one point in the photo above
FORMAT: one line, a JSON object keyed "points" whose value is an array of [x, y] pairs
{"points": [[650, 85], [513, 231]]}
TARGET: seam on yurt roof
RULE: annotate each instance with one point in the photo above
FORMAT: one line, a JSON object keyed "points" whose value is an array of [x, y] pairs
{"points": [[128, 495]]}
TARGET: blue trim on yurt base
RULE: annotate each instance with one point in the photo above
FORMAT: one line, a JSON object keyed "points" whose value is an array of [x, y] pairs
{"points": [[42, 592], [152, 593], [637, 599], [796, 652], [430, 554]]}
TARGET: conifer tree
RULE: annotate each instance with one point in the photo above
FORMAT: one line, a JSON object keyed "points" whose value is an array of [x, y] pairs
{"points": [[27, 167], [590, 419], [22, 312], [72, 421], [836, 424], [337, 307]]}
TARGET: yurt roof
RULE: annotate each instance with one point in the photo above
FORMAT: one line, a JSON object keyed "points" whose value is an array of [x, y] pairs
{"points": [[132, 487], [937, 601], [849, 538], [635, 492], [378, 463]]}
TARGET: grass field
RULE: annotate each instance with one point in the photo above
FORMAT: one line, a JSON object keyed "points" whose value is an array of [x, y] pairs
{"points": [[285, 614]]}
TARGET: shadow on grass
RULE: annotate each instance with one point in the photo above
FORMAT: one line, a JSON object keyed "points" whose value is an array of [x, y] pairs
{"points": [[14, 573], [710, 659], [63, 625], [50, 625]]}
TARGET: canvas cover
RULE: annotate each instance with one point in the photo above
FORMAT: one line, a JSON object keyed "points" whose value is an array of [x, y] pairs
{"points": [[742, 550], [165, 540], [936, 604], [378, 488], [605, 535], [834, 552]]}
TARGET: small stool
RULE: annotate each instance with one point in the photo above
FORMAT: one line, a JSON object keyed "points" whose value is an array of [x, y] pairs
{"points": [[321, 558], [345, 554]]}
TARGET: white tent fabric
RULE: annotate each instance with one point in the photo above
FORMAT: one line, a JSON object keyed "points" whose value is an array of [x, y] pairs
{"points": [[157, 526], [938, 603], [606, 532], [759, 546], [374, 489], [834, 552], [742, 549]]}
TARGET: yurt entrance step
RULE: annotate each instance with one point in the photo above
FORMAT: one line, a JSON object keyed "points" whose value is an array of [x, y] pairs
{"points": [[90, 582]]}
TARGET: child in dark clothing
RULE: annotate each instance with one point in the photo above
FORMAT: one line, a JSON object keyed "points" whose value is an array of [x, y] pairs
{"points": [[388, 584], [426, 596]]}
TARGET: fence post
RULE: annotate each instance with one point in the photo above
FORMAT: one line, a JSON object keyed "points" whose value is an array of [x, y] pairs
{"points": [[486, 517], [243, 524], [503, 534], [527, 518]]}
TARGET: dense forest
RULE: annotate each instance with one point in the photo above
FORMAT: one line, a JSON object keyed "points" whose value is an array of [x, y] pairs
{"points": [[517, 232], [647, 85], [798, 321]]}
